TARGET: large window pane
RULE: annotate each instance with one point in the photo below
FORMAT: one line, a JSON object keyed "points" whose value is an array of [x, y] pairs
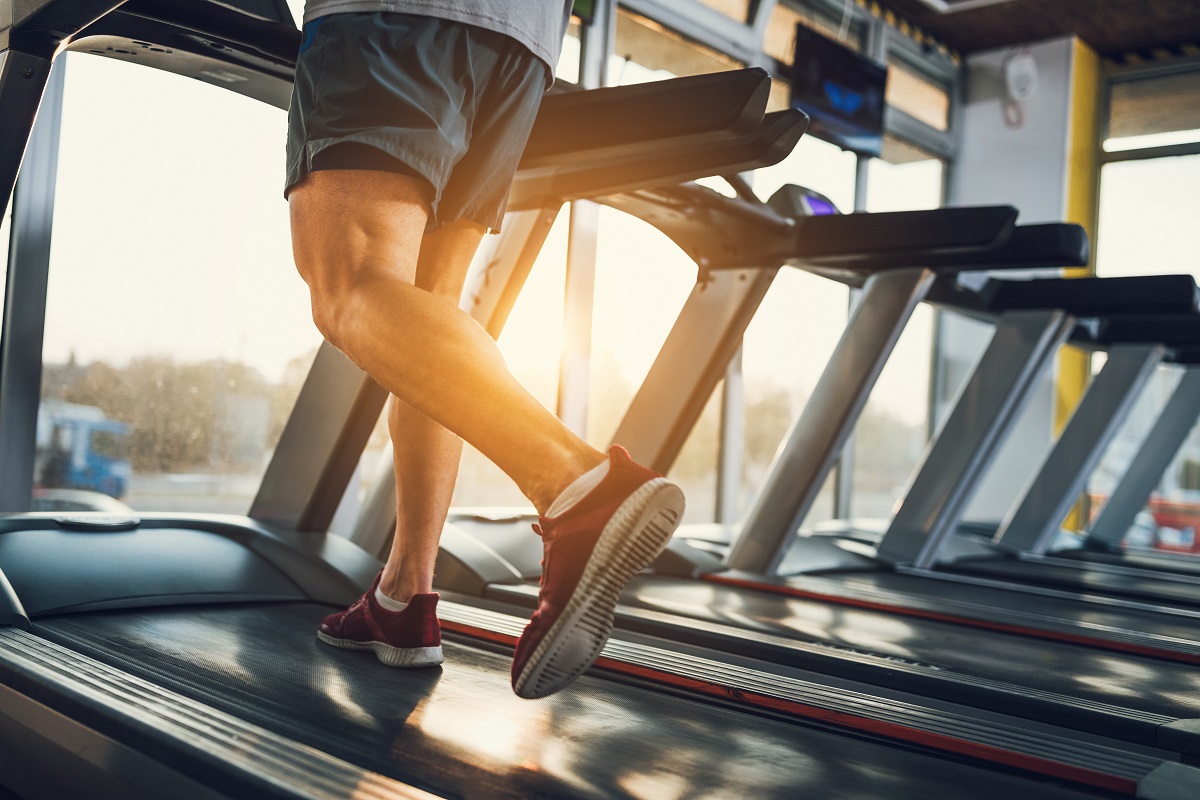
{"points": [[1148, 213], [790, 339], [568, 59], [893, 430], [642, 282], [177, 330], [1154, 111], [1147, 226], [817, 165], [784, 352]]}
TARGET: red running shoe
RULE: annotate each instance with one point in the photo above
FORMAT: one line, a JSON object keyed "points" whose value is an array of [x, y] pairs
{"points": [[408, 638], [591, 552]]}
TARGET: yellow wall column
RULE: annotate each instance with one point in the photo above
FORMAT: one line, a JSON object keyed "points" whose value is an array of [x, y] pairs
{"points": [[1083, 178]]}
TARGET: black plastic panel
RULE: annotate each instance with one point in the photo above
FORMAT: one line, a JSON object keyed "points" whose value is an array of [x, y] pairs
{"points": [[53, 570], [1173, 330], [1094, 297], [901, 238], [628, 121]]}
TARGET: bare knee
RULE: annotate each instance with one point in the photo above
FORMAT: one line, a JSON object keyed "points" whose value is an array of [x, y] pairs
{"points": [[346, 247]]}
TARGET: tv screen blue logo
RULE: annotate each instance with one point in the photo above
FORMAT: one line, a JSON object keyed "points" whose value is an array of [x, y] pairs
{"points": [[847, 101]]}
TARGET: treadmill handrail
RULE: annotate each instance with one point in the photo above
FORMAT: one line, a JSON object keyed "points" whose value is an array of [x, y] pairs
{"points": [[1124, 300], [658, 162]]}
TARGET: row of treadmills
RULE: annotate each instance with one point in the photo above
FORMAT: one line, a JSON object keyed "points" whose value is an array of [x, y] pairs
{"points": [[175, 655]]}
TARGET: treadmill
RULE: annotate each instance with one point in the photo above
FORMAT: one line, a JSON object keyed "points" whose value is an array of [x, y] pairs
{"points": [[957, 649], [173, 655], [1028, 545]]}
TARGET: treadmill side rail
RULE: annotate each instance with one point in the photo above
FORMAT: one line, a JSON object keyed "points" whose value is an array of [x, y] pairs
{"points": [[1153, 457], [1033, 523], [1000, 387], [212, 748]]}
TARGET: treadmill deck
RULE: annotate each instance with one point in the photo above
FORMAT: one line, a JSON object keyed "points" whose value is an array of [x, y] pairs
{"points": [[458, 730]]}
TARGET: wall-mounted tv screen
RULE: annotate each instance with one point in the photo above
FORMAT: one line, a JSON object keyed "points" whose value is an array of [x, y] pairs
{"points": [[841, 91]]}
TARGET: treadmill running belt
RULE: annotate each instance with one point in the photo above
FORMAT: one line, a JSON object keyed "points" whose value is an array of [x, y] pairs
{"points": [[460, 731]]}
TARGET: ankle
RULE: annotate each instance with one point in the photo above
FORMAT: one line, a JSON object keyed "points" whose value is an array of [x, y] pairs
{"points": [[401, 587], [580, 463]]}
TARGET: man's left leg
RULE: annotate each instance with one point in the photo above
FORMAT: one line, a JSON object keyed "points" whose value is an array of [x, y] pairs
{"points": [[426, 455]]}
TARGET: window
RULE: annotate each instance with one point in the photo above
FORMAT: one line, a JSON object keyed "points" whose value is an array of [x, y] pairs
{"points": [[784, 352], [1147, 112], [915, 94], [109, 444], [790, 339], [640, 275], [569, 60], [1146, 226], [1148, 210], [735, 9], [647, 51], [779, 42], [1171, 518], [893, 429], [174, 311]]}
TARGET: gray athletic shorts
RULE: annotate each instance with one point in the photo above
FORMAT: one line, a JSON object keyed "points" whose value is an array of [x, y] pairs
{"points": [[445, 102]]}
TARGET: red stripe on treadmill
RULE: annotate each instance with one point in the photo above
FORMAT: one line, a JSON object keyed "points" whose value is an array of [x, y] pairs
{"points": [[1020, 630], [891, 730]]}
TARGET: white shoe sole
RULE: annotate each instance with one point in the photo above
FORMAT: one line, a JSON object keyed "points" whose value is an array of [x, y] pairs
{"points": [[404, 657], [632, 539]]}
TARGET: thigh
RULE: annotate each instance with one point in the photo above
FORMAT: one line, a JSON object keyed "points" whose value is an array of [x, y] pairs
{"points": [[346, 224]]}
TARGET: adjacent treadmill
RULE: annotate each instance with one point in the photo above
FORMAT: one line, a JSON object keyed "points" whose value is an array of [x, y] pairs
{"points": [[1059, 660]]}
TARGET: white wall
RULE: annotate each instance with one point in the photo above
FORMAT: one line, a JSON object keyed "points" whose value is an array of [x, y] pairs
{"points": [[1025, 166]]}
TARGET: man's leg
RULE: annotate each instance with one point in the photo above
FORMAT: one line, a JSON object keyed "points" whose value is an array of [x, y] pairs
{"points": [[357, 238], [426, 455]]}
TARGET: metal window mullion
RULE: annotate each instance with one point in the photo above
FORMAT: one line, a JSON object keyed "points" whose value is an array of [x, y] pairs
{"points": [[574, 374], [28, 87], [843, 473], [905, 126], [731, 446]]}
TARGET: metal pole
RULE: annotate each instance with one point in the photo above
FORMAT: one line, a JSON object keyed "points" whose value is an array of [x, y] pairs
{"points": [[732, 444]]}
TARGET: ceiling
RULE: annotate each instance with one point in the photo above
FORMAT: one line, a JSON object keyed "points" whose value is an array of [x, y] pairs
{"points": [[1111, 27]]}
